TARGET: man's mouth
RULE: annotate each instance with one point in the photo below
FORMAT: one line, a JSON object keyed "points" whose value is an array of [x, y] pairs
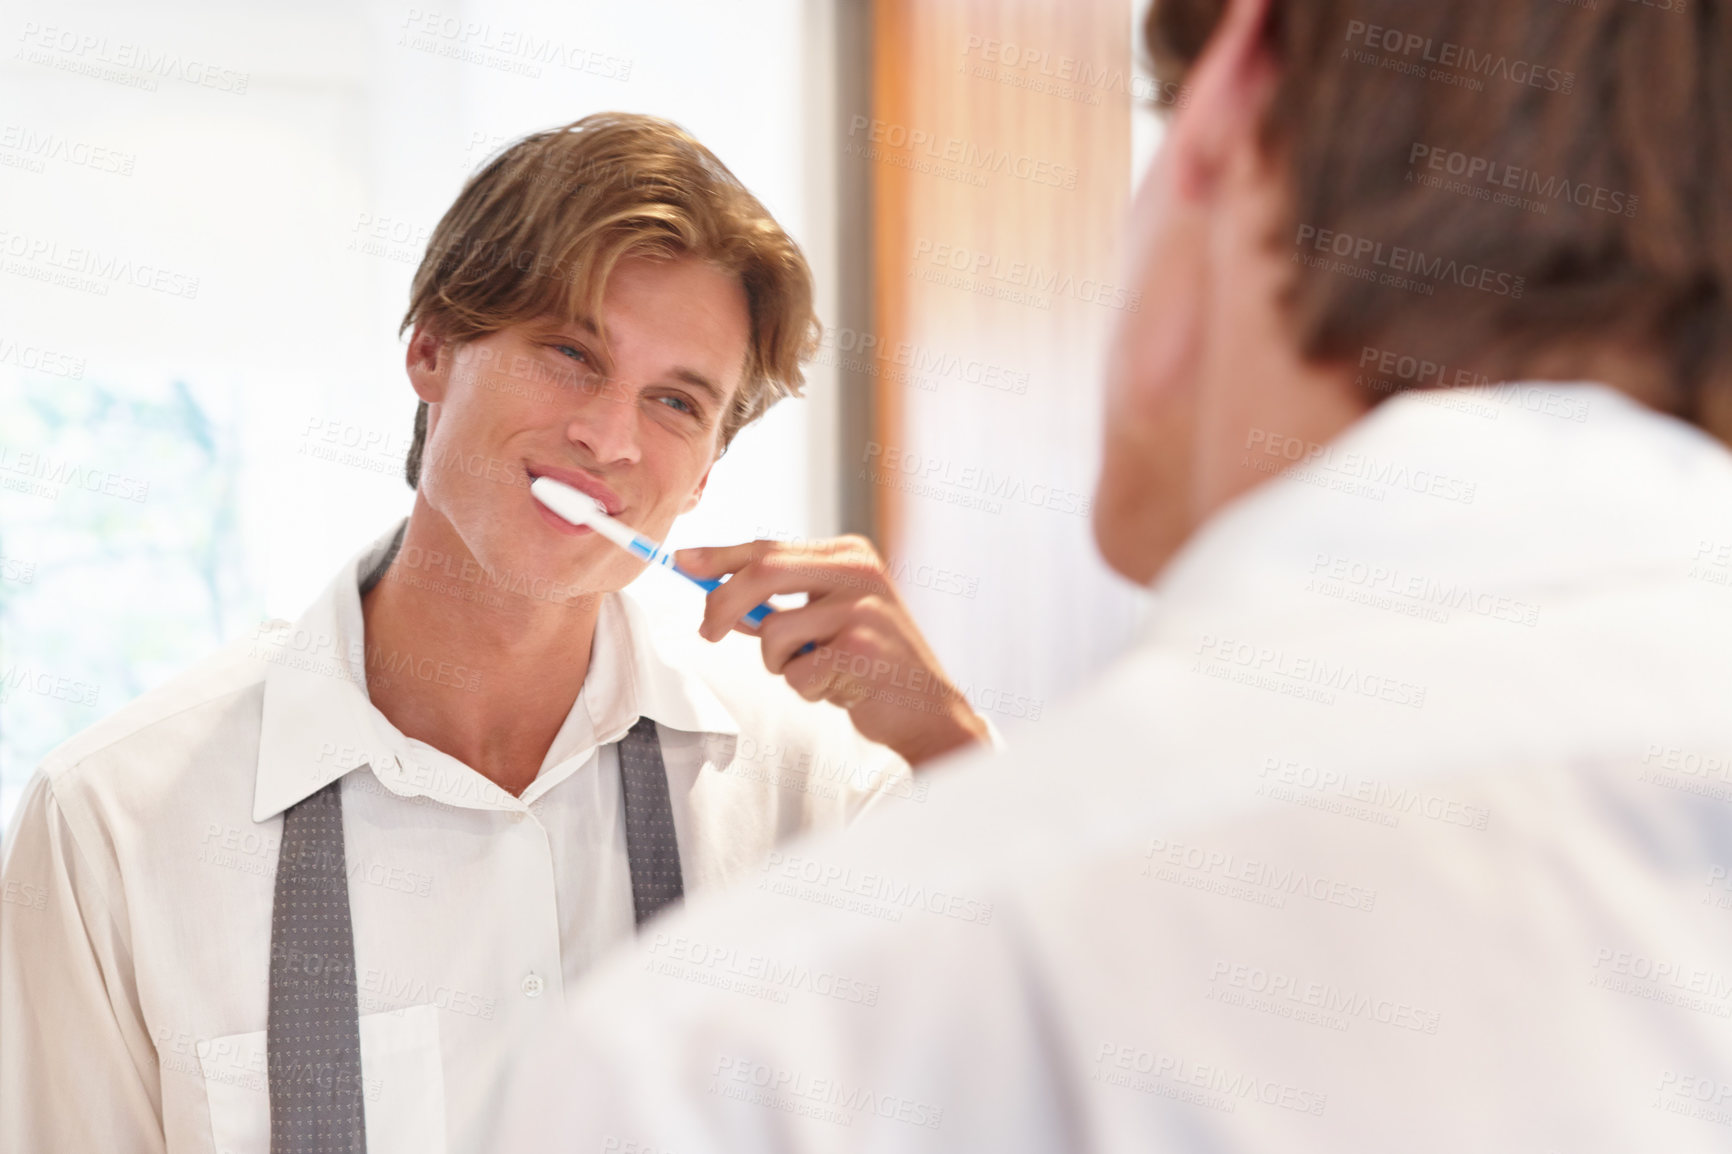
{"points": [[609, 501]]}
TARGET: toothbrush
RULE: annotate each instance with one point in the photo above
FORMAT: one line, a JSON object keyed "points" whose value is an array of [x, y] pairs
{"points": [[581, 509]]}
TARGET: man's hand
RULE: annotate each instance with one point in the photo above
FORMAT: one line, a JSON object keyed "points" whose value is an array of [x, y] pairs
{"points": [[869, 658]]}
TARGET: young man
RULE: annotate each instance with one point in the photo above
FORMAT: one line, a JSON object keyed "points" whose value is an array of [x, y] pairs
{"points": [[1405, 825], [299, 899]]}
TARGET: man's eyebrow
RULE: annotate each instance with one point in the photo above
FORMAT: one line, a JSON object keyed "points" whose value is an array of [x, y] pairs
{"points": [[564, 325], [579, 324], [697, 380]]}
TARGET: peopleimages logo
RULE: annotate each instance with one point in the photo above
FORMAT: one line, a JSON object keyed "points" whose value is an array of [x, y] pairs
{"points": [[36, 359], [38, 147], [990, 268], [90, 268], [1269, 667], [1063, 76], [43, 475], [1410, 54], [928, 474], [1339, 1002], [83, 52], [503, 49], [1198, 1083], [1485, 179], [830, 1099], [1409, 268], [46, 684], [1361, 473], [919, 365], [968, 156]]}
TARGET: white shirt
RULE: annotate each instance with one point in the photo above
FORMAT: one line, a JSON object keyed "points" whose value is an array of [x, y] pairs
{"points": [[1407, 826], [138, 882]]}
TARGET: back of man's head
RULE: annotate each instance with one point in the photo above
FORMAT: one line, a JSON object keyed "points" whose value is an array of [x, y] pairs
{"points": [[1544, 175]]}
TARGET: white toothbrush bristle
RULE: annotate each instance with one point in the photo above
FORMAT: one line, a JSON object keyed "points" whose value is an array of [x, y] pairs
{"points": [[577, 507]]}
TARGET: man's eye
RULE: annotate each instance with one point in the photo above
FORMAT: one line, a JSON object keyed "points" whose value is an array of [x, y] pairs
{"points": [[575, 354], [679, 403]]}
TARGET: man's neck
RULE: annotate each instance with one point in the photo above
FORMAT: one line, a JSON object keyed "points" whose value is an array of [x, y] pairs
{"points": [[464, 664]]}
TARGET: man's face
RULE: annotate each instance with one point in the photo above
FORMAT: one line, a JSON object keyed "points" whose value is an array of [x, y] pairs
{"points": [[627, 408]]}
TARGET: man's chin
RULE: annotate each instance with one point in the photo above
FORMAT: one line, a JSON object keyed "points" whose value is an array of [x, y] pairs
{"points": [[554, 576]]}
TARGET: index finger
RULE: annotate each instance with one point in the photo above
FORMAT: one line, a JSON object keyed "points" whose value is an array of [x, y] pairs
{"points": [[783, 568], [719, 560]]}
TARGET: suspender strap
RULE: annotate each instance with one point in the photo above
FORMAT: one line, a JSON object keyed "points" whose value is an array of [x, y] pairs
{"points": [[313, 1030], [313, 1037], [650, 844]]}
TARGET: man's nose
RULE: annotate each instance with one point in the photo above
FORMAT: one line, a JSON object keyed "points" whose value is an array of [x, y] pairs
{"points": [[606, 424]]}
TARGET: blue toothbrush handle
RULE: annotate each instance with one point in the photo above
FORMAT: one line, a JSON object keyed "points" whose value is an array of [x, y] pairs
{"points": [[653, 553], [756, 616]]}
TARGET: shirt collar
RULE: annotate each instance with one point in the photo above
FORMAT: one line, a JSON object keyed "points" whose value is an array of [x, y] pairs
{"points": [[318, 723], [662, 687], [632, 673], [1516, 486]]}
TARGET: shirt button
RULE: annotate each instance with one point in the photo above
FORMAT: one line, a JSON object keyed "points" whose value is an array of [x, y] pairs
{"points": [[532, 985]]}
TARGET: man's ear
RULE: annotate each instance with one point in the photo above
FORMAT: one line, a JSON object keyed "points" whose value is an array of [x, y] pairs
{"points": [[429, 363], [697, 494], [1230, 87]]}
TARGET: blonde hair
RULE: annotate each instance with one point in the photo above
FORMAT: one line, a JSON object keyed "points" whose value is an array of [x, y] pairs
{"points": [[539, 229]]}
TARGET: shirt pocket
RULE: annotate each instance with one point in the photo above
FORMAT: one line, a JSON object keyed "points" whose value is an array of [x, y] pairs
{"points": [[402, 1080]]}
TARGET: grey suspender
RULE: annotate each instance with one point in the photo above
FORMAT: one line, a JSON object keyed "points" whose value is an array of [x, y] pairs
{"points": [[650, 847], [313, 1032], [313, 1029]]}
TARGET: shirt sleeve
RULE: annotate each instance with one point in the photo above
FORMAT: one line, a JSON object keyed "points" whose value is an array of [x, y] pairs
{"points": [[887, 779], [77, 1067], [994, 739], [883, 778]]}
